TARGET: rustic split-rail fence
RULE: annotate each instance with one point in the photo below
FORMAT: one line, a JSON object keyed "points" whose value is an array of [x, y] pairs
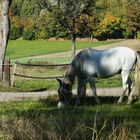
{"points": [[9, 81]]}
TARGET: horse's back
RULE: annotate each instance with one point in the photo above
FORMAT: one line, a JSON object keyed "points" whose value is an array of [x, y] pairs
{"points": [[126, 56], [104, 63]]}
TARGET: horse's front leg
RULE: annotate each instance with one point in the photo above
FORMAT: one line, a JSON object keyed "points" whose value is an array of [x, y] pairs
{"points": [[81, 91], [93, 88]]}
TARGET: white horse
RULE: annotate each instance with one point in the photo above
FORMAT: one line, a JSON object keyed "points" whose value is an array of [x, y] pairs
{"points": [[90, 64]]}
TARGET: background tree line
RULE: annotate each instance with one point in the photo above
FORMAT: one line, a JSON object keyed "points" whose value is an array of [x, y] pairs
{"points": [[101, 19]]}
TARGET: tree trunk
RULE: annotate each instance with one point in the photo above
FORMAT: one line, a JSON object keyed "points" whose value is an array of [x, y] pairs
{"points": [[73, 45], [4, 31]]}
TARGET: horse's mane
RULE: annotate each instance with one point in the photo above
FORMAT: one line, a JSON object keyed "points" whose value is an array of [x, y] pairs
{"points": [[70, 75], [76, 65]]}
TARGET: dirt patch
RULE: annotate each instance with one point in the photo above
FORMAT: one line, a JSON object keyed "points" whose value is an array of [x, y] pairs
{"points": [[131, 43], [101, 92]]}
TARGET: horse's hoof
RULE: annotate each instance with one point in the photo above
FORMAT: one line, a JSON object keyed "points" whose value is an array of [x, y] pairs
{"points": [[78, 104], [98, 102], [129, 102], [60, 105], [119, 102]]}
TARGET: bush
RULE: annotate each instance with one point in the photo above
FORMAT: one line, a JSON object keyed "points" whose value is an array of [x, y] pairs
{"points": [[15, 32], [29, 33], [138, 35], [109, 27]]}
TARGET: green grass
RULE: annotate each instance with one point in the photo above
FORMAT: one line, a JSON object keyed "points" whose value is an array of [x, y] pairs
{"points": [[55, 60], [20, 49], [42, 120], [23, 48], [40, 85], [22, 84]]}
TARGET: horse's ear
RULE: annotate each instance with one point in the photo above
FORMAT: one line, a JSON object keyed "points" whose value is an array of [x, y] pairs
{"points": [[59, 81]]}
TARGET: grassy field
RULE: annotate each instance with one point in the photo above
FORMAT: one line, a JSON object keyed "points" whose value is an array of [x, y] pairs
{"points": [[20, 49], [23, 48], [25, 84], [22, 84], [42, 120]]}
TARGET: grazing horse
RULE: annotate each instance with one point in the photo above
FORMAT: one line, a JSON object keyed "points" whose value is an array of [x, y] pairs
{"points": [[90, 64]]}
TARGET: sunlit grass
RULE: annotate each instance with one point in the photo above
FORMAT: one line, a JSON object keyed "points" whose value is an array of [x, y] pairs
{"points": [[23, 48], [27, 84]]}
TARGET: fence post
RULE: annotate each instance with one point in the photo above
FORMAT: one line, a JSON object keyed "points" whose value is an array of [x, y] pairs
{"points": [[13, 75], [6, 78]]}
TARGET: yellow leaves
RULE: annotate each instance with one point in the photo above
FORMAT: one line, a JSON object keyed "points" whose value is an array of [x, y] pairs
{"points": [[84, 16], [27, 22], [14, 19], [109, 18], [88, 19], [108, 26]]}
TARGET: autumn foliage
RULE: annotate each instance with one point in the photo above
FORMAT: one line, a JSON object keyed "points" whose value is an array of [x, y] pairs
{"points": [[106, 19]]}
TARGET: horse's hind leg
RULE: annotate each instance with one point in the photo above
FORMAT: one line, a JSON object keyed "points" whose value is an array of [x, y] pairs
{"points": [[93, 88], [81, 91], [130, 92], [125, 76]]}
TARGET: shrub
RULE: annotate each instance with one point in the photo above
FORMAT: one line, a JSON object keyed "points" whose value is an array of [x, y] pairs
{"points": [[15, 32], [29, 33], [138, 35], [109, 27]]}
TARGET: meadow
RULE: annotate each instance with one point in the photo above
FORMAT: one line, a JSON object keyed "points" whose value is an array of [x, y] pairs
{"points": [[42, 120], [22, 49]]}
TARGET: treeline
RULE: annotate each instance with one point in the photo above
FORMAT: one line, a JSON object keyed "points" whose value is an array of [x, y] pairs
{"points": [[101, 19]]}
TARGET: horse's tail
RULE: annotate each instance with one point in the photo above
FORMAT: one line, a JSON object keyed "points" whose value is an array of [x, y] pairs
{"points": [[137, 75]]}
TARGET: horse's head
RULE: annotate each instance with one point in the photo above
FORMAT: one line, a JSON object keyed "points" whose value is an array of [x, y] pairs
{"points": [[64, 93]]}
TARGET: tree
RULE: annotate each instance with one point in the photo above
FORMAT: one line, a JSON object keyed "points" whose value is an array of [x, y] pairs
{"points": [[133, 16], [29, 9], [128, 11], [68, 14], [16, 7], [109, 27], [4, 30]]}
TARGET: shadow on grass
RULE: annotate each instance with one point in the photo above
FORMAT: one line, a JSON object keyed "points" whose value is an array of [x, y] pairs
{"points": [[39, 90], [87, 101], [43, 120]]}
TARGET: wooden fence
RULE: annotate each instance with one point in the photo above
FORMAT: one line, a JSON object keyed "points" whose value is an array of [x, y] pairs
{"points": [[6, 72], [35, 65]]}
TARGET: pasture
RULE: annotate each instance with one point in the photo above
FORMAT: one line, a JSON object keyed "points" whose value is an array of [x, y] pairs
{"points": [[33, 120], [23, 48], [25, 51]]}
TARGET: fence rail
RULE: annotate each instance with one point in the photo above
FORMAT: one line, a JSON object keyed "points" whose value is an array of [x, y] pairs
{"points": [[35, 77], [35, 65], [41, 65]]}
